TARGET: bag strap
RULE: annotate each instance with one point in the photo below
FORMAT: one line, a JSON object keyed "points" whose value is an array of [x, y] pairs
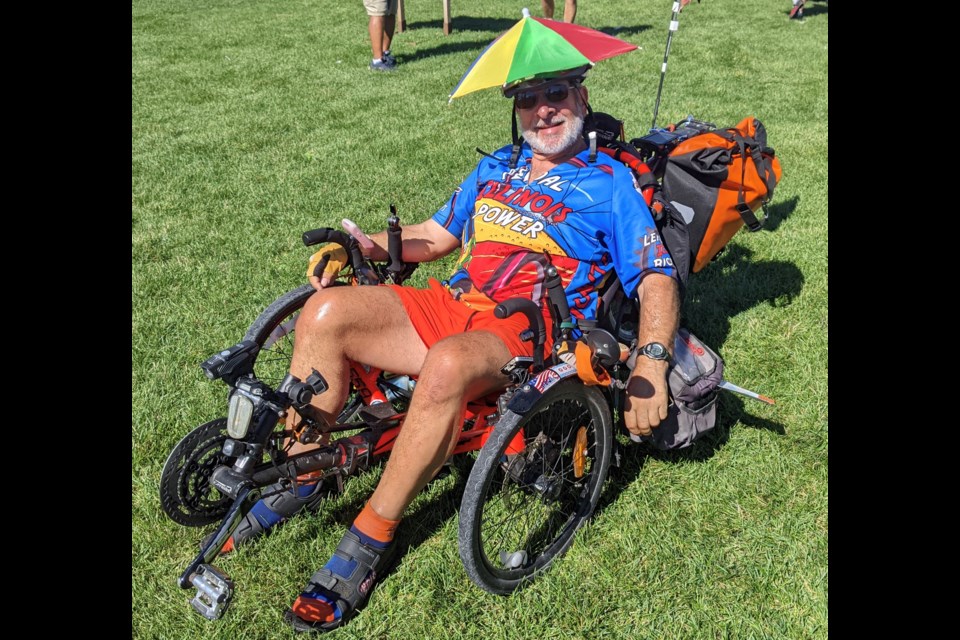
{"points": [[743, 143], [515, 151]]}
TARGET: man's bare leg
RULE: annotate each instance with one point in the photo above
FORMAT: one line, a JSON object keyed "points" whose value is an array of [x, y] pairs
{"points": [[328, 333], [457, 369]]}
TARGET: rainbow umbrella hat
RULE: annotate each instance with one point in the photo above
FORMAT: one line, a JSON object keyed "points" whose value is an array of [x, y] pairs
{"points": [[536, 46]]}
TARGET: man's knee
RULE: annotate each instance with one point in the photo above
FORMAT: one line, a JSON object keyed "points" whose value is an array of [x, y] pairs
{"points": [[455, 368], [442, 377], [325, 309]]}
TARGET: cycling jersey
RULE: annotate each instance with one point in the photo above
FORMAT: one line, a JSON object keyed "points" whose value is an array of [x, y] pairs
{"points": [[586, 218]]}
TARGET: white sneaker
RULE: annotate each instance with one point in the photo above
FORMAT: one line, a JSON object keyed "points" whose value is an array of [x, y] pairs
{"points": [[381, 65]]}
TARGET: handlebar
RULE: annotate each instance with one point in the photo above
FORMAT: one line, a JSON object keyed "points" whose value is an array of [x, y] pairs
{"points": [[348, 242], [394, 244], [530, 309], [558, 298]]}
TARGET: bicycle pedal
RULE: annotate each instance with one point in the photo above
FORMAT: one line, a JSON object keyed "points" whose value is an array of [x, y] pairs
{"points": [[214, 592]]}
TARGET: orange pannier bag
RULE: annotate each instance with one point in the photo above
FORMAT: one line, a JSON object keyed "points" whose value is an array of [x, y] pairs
{"points": [[713, 184]]}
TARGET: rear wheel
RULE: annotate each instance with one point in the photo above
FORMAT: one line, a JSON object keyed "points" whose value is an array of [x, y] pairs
{"points": [[522, 507]]}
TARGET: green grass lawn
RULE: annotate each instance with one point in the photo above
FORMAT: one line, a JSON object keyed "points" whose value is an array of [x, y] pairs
{"points": [[255, 121]]}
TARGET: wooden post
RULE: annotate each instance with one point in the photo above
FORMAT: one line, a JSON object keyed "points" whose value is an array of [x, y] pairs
{"points": [[446, 17], [401, 18]]}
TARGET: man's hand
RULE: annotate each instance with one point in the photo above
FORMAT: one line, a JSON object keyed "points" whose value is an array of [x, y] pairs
{"points": [[646, 403], [330, 259]]}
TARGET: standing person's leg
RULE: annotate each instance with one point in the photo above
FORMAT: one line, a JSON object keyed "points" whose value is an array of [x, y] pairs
{"points": [[380, 26], [547, 7], [570, 11], [389, 26], [377, 35]]}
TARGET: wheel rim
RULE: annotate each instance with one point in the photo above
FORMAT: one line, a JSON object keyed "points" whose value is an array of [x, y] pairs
{"points": [[276, 350], [536, 500]]}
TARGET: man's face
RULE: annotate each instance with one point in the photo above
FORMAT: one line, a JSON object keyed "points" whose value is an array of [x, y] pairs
{"points": [[551, 116]]}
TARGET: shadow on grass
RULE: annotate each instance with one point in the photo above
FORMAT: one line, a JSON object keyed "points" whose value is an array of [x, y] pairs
{"points": [[633, 456], [466, 23], [733, 284], [778, 212], [443, 49]]}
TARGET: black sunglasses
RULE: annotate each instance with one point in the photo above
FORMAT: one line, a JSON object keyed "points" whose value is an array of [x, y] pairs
{"points": [[555, 93]]}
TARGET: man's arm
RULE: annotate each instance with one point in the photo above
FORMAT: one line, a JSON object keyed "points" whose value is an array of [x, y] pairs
{"points": [[422, 242], [646, 403]]}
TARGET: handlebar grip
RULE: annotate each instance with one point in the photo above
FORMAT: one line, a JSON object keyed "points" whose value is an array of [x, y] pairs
{"points": [[558, 297], [348, 242], [395, 247], [317, 236]]}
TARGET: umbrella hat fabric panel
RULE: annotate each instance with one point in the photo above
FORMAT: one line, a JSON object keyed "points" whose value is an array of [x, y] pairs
{"points": [[534, 47]]}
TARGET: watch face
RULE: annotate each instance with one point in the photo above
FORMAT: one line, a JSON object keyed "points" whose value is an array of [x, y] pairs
{"points": [[655, 350]]}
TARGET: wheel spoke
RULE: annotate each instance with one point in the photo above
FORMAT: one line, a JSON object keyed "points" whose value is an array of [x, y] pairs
{"points": [[533, 503]]}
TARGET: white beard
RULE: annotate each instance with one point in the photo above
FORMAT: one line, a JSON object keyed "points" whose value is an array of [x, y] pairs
{"points": [[573, 127]]}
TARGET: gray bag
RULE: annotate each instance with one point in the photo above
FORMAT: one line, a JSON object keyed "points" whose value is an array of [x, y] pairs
{"points": [[693, 377]]}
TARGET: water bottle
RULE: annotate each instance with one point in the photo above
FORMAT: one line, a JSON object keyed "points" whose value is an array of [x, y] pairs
{"points": [[400, 388]]}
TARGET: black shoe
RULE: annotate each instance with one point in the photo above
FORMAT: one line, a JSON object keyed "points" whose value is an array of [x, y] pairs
{"points": [[279, 505], [357, 567]]}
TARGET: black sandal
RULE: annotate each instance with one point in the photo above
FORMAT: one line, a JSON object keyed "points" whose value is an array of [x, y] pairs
{"points": [[349, 592]]}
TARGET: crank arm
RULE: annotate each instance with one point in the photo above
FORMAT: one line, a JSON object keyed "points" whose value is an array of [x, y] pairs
{"points": [[245, 500]]}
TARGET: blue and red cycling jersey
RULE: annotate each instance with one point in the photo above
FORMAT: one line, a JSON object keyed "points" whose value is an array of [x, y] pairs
{"points": [[586, 218]]}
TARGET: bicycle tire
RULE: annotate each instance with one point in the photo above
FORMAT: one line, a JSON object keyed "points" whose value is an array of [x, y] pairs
{"points": [[273, 331], [502, 552]]}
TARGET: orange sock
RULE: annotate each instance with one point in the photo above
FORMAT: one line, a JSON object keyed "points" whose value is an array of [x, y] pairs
{"points": [[373, 525]]}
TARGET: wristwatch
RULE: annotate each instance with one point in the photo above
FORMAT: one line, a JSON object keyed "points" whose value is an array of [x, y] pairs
{"points": [[655, 351]]}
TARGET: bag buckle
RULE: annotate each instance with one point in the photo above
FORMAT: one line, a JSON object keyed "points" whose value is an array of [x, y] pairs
{"points": [[748, 217]]}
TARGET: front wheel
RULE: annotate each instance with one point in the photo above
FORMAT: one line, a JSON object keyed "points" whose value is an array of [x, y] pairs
{"points": [[273, 331], [535, 482]]}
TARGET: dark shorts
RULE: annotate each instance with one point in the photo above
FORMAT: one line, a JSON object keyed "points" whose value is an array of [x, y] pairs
{"points": [[436, 315]]}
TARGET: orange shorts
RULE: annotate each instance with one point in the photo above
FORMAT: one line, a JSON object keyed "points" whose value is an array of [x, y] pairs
{"points": [[435, 315]]}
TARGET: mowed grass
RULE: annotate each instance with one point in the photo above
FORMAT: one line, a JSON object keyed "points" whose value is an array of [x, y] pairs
{"points": [[255, 121]]}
